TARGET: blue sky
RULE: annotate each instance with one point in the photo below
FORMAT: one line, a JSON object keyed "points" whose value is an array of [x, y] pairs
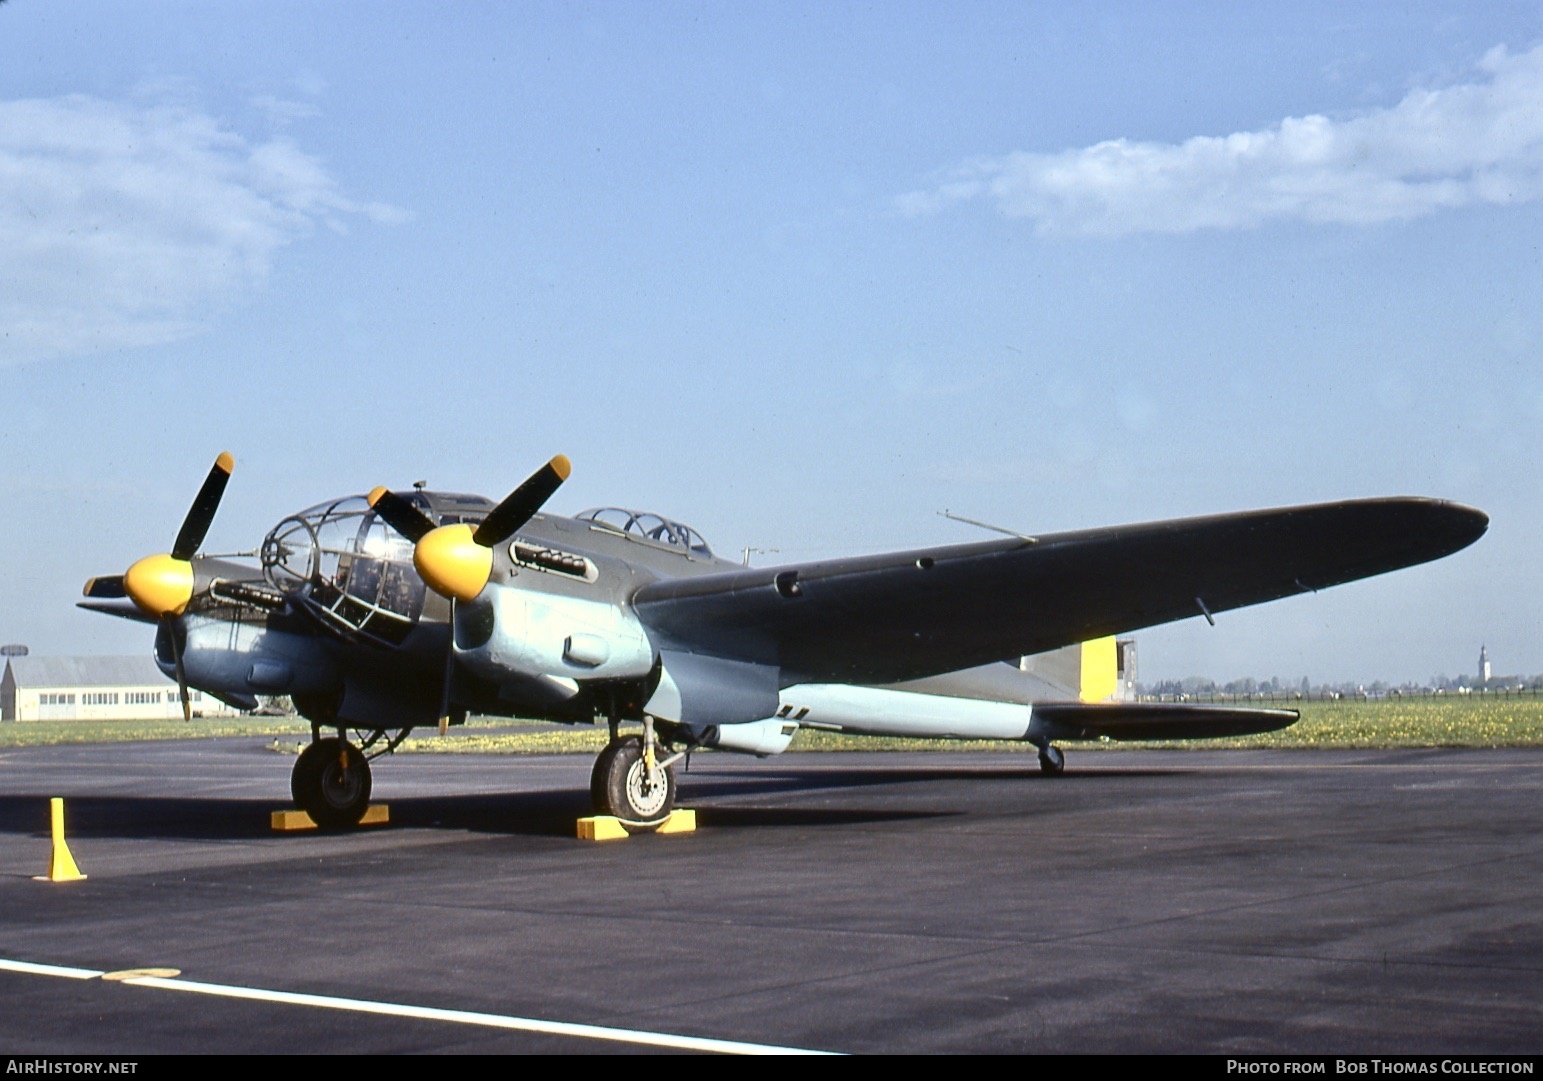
{"points": [[801, 275]]}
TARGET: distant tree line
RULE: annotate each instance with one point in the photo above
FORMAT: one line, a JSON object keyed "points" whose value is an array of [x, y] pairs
{"points": [[1192, 687]]}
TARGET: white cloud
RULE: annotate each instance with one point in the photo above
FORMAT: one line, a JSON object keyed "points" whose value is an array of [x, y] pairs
{"points": [[125, 225], [284, 111], [1479, 142]]}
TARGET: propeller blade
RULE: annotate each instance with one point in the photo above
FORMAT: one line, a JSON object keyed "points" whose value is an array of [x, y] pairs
{"points": [[444, 695], [455, 561], [201, 513], [169, 622], [401, 514], [521, 504], [162, 585], [108, 587]]}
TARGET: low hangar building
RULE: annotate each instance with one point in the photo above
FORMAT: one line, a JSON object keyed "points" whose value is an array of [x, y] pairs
{"points": [[95, 689]]}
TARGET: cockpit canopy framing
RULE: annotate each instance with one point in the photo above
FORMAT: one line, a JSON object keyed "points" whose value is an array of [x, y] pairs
{"points": [[645, 525], [348, 567]]}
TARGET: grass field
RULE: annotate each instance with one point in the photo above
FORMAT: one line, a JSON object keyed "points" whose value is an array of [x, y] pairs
{"points": [[1455, 721], [43, 733]]}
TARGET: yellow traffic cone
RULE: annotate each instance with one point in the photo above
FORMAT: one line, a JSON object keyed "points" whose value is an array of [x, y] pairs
{"points": [[61, 865]]}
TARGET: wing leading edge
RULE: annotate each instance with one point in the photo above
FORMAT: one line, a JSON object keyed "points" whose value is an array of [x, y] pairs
{"points": [[906, 615]]}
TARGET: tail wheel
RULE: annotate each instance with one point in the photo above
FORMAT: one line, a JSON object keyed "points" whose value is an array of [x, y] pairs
{"points": [[331, 783], [1051, 760], [621, 785]]}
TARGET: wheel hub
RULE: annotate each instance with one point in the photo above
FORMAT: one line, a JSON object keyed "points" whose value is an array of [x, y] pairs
{"points": [[647, 797], [341, 786]]}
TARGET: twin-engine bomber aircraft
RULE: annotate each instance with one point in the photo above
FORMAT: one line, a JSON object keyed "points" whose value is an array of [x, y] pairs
{"points": [[378, 614]]}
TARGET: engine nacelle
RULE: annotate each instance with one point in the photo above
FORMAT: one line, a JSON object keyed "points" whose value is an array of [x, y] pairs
{"points": [[510, 635], [222, 657]]}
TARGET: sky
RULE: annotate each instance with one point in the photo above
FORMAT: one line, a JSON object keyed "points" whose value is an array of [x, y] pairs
{"points": [[802, 275]]}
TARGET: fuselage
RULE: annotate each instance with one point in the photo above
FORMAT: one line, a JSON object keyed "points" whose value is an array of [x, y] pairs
{"points": [[338, 618]]}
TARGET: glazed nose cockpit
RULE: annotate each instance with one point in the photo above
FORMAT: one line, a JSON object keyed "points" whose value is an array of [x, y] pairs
{"points": [[344, 564]]}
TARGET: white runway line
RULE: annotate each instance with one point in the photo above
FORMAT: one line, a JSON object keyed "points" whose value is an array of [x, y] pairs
{"points": [[50, 970], [424, 1013]]}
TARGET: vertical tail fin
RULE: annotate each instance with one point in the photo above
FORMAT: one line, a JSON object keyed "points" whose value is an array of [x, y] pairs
{"points": [[1101, 670]]}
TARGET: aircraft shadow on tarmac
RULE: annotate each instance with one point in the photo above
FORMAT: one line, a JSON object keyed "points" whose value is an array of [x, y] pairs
{"points": [[540, 813], [535, 814]]}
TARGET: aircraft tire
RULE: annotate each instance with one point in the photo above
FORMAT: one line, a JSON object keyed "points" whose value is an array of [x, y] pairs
{"points": [[621, 790], [1051, 761], [598, 775], [331, 783]]}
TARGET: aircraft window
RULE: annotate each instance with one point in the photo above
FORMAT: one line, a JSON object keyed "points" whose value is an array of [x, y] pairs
{"points": [[288, 555], [450, 508], [401, 590], [364, 578], [614, 517], [650, 527], [348, 567], [308, 546]]}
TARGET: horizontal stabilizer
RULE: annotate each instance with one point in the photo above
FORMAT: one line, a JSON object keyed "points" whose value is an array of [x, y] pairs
{"points": [[1154, 720]]}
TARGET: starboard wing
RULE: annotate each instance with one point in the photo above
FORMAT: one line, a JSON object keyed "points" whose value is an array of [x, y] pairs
{"points": [[910, 614]]}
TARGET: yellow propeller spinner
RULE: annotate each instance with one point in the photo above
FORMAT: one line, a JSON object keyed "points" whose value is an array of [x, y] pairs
{"points": [[456, 560]]}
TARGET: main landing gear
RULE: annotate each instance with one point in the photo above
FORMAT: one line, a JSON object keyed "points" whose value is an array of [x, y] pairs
{"points": [[331, 778], [632, 779], [331, 783]]}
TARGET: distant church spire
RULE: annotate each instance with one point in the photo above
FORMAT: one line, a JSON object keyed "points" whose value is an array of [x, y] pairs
{"points": [[1483, 665]]}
